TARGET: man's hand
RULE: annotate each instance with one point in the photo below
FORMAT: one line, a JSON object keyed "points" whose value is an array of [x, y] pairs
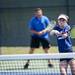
{"points": [[44, 31], [37, 33]]}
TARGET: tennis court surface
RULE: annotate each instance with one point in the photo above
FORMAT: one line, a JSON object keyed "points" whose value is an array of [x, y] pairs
{"points": [[38, 65]]}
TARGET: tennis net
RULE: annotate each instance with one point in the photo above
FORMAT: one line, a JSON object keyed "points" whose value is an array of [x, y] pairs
{"points": [[38, 65]]}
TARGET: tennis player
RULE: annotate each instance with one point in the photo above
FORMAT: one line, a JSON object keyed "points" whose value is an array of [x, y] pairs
{"points": [[38, 23], [64, 43]]}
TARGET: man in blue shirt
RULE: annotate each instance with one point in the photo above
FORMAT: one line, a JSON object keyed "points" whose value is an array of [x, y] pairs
{"points": [[64, 43], [38, 23]]}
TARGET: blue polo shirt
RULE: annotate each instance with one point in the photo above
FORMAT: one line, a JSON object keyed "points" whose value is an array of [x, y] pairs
{"points": [[38, 24], [64, 44]]}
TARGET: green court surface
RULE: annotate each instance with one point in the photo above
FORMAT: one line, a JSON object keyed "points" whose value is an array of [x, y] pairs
{"points": [[25, 50], [73, 32]]}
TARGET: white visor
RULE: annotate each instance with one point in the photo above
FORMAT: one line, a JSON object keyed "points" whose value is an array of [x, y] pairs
{"points": [[62, 16]]}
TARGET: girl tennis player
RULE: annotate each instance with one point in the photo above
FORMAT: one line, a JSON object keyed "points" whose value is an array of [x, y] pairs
{"points": [[64, 43]]}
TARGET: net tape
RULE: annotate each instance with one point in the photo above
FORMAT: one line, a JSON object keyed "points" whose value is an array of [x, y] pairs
{"points": [[37, 56]]}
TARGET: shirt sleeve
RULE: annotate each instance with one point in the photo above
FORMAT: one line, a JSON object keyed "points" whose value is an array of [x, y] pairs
{"points": [[31, 25], [55, 28], [47, 21]]}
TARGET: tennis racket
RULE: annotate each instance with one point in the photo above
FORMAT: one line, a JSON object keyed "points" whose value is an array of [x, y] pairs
{"points": [[51, 25]]}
